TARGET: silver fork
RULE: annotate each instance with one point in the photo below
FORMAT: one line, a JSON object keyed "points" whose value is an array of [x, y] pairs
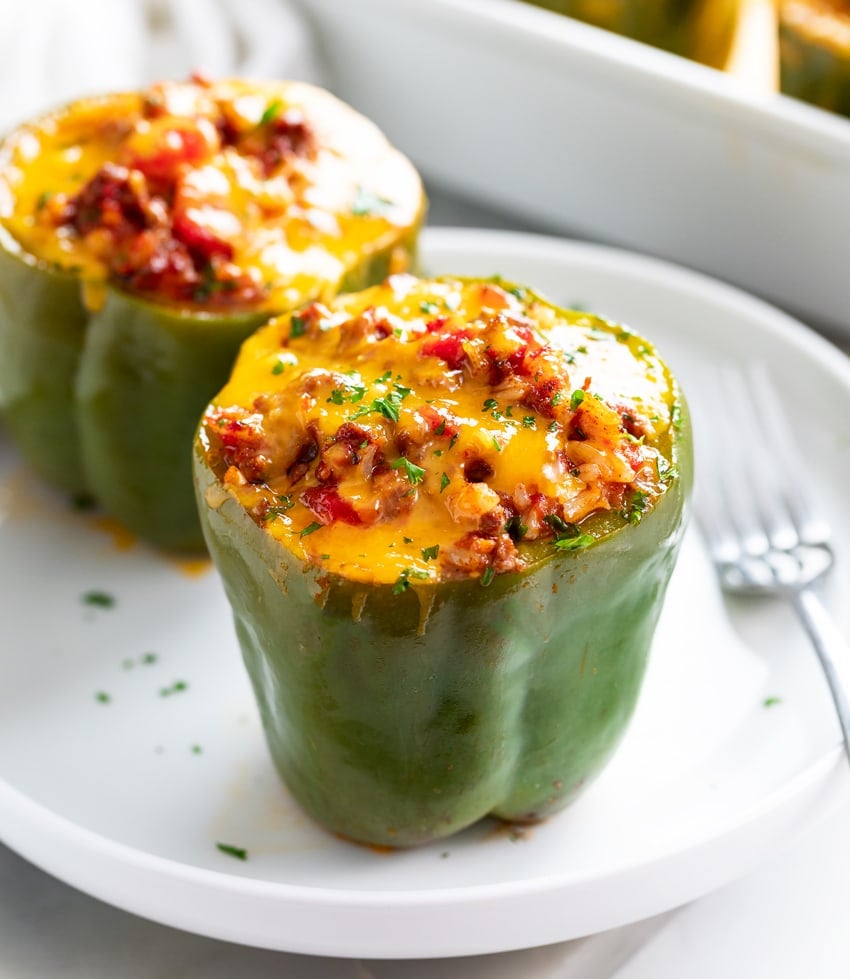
{"points": [[762, 531]]}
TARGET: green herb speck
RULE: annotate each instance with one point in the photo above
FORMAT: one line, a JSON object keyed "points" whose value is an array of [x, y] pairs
{"points": [[271, 113], [415, 474], [99, 599], [233, 851], [179, 686]]}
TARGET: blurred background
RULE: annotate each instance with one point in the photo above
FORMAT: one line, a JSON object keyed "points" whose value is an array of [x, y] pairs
{"points": [[52, 51]]}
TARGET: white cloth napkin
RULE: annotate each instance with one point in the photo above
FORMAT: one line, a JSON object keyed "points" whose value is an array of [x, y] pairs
{"points": [[52, 51]]}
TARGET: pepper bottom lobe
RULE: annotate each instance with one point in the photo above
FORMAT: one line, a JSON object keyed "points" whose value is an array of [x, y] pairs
{"points": [[399, 719]]}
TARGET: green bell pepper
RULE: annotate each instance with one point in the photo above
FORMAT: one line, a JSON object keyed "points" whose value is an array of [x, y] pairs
{"points": [[814, 53], [101, 386], [703, 30], [400, 712]]}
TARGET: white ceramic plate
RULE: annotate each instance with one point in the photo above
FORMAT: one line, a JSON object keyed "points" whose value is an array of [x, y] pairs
{"points": [[130, 746], [592, 134]]}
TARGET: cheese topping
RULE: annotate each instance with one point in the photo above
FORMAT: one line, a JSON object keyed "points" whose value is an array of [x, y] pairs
{"points": [[423, 430], [229, 195]]}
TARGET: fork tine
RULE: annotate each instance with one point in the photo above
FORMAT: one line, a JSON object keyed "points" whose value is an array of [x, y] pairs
{"points": [[726, 508], [761, 469], [810, 528]]}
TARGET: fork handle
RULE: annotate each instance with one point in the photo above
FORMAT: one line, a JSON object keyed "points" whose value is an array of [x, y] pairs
{"points": [[833, 653]]}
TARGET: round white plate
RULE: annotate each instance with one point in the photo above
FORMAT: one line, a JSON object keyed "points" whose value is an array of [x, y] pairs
{"points": [[130, 746]]}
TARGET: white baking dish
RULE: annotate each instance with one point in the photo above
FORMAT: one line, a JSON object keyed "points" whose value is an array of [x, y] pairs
{"points": [[588, 133]]}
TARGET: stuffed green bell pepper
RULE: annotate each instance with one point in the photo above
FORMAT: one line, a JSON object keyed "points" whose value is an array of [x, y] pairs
{"points": [[445, 513], [814, 52], [143, 236], [703, 30]]}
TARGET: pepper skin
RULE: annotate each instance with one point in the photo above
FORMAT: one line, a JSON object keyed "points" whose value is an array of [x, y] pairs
{"points": [[101, 387], [814, 53], [397, 716], [702, 30]]}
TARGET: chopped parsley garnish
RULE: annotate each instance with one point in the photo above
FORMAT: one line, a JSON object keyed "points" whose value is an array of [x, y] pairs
{"points": [[387, 406], [556, 398], [488, 576], [279, 367], [403, 581], [366, 202], [576, 399], [496, 444], [516, 528], [297, 326], [529, 422], [559, 525], [274, 512], [337, 397], [428, 308], [771, 701], [99, 599], [573, 543], [233, 851], [637, 505], [667, 472], [414, 473], [441, 428], [271, 113], [676, 416], [453, 440], [489, 404], [430, 553], [179, 686], [102, 697], [284, 503], [567, 535], [444, 482], [310, 529], [43, 198], [149, 658]]}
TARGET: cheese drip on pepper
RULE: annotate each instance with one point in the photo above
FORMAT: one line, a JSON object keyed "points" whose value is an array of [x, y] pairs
{"points": [[230, 195], [425, 430]]}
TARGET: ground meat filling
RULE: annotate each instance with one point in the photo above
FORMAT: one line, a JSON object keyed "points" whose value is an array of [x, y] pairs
{"points": [[151, 219], [474, 422]]}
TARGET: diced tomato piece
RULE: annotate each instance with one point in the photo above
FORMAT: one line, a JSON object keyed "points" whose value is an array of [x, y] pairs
{"points": [[437, 324], [448, 347], [201, 242], [167, 145], [328, 506]]}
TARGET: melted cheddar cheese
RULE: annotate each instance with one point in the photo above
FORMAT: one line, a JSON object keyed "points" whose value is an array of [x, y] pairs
{"points": [[423, 430], [228, 195]]}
